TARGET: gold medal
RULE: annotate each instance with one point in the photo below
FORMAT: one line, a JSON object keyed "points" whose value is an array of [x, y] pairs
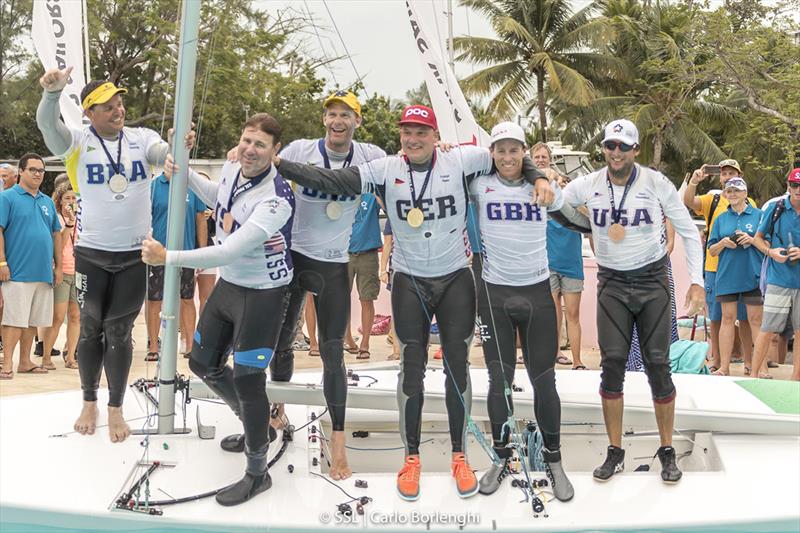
{"points": [[415, 217], [333, 210], [616, 232], [227, 222]]}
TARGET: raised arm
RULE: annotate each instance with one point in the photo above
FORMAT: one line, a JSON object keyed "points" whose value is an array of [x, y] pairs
{"points": [[331, 181], [56, 134]]}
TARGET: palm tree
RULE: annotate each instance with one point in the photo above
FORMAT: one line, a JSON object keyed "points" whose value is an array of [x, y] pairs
{"points": [[544, 51]]}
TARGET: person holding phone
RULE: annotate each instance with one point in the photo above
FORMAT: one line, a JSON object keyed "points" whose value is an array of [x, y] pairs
{"points": [[710, 205]]}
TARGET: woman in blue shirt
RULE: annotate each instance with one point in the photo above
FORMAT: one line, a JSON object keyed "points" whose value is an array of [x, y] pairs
{"points": [[739, 267]]}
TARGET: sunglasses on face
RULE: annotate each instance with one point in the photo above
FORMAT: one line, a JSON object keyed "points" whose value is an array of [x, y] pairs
{"points": [[613, 145], [794, 185]]}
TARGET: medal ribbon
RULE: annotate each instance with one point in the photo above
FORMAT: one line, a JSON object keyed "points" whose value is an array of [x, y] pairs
{"points": [[252, 182], [415, 200], [617, 213], [116, 166], [327, 161]]}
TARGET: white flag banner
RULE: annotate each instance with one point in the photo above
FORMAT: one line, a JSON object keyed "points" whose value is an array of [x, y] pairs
{"points": [[456, 122], [58, 39]]}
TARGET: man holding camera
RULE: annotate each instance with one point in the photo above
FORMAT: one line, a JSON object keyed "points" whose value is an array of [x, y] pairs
{"points": [[710, 206]]}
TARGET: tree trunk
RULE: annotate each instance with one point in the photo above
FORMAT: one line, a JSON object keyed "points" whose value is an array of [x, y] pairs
{"points": [[542, 110], [658, 147]]}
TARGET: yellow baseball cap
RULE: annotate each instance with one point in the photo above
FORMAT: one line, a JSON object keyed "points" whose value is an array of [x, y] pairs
{"points": [[345, 97], [102, 94]]}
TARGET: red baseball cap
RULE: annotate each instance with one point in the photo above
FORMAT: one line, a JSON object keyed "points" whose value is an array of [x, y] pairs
{"points": [[419, 114], [794, 176]]}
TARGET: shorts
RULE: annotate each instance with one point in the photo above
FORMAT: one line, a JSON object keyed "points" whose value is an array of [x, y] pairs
{"points": [[364, 268], [213, 271], [27, 304], [753, 297], [66, 291], [155, 283], [780, 304], [714, 308], [564, 284]]}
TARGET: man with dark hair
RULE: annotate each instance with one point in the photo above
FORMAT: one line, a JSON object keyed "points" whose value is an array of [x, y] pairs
{"points": [[110, 166], [30, 244]]}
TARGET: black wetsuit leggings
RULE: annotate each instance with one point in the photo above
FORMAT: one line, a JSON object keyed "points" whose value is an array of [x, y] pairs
{"points": [[415, 300], [529, 310], [641, 296], [245, 321], [330, 285], [111, 287]]}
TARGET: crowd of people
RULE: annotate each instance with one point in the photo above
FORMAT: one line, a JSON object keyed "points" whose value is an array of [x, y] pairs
{"points": [[486, 239]]}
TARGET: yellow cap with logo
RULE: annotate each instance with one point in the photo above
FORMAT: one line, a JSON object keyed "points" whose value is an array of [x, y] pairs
{"points": [[102, 94], [344, 97]]}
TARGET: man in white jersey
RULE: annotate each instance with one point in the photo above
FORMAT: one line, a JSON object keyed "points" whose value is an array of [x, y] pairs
{"points": [[514, 299], [320, 241], [425, 196], [109, 165], [625, 201], [253, 207]]}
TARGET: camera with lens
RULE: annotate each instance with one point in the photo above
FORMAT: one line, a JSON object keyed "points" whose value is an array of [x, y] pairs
{"points": [[734, 237]]}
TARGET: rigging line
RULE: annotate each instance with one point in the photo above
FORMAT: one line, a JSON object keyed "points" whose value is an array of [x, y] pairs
{"points": [[321, 46], [209, 63], [344, 45]]}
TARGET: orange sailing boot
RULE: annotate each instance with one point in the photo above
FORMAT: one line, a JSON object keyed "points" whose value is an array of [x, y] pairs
{"points": [[466, 482], [408, 478]]}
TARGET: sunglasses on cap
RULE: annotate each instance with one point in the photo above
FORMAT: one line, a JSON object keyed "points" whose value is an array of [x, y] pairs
{"points": [[613, 145]]}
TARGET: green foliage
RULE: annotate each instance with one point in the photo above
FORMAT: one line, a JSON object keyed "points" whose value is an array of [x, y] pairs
{"points": [[379, 124]]}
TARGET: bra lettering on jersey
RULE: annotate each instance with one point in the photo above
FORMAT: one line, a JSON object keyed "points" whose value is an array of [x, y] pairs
{"points": [[325, 196], [432, 208], [640, 216], [513, 211], [97, 173]]}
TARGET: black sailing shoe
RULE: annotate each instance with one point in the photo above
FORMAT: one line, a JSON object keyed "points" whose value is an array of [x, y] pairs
{"points": [[615, 462], [235, 443], [670, 472]]}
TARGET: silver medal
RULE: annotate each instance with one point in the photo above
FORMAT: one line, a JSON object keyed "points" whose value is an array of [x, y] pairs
{"points": [[333, 210], [118, 183]]}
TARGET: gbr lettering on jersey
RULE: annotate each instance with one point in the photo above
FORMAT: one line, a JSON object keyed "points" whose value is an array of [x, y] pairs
{"points": [[314, 234]]}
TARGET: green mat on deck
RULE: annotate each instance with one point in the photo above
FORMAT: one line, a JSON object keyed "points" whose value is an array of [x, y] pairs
{"points": [[782, 396]]}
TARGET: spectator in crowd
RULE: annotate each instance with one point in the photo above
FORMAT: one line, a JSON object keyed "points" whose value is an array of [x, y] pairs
{"points": [[778, 237], [738, 269], [30, 262], [365, 241], [710, 206], [386, 277], [65, 294], [206, 277], [565, 260], [8, 178], [195, 235]]}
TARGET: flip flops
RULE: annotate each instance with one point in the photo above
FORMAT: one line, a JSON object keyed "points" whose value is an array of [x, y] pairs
{"points": [[313, 353], [71, 364], [772, 364], [563, 360], [33, 370], [393, 357], [579, 367], [762, 375], [6, 375], [719, 372], [363, 354], [151, 356], [49, 366], [350, 349]]}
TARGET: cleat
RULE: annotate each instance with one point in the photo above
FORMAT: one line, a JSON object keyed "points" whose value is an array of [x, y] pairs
{"points": [[408, 478], [615, 462], [670, 472], [466, 482]]}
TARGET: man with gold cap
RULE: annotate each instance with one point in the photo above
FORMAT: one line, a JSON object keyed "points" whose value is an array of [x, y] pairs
{"points": [[110, 166]]}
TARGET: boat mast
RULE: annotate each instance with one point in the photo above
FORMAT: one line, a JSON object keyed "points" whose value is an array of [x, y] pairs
{"points": [[87, 75], [450, 50], [184, 93]]}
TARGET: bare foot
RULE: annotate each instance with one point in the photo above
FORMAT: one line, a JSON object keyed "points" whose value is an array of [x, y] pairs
{"points": [[280, 422], [118, 429], [339, 467], [87, 421]]}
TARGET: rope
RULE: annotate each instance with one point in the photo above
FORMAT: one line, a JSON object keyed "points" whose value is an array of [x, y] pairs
{"points": [[344, 45]]}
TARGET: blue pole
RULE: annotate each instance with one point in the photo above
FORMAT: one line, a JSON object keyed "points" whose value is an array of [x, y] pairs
{"points": [[184, 95]]}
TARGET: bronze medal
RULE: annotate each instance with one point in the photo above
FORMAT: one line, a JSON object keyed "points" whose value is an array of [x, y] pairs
{"points": [[616, 232], [415, 217], [227, 222]]}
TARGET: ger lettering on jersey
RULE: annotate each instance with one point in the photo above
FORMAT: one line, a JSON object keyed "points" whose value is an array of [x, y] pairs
{"points": [[108, 220], [315, 234], [649, 194], [513, 231], [441, 244]]}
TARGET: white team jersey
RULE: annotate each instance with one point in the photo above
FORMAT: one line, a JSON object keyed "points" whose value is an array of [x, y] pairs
{"points": [[106, 220], [513, 231], [314, 234], [268, 264], [440, 245], [641, 216]]}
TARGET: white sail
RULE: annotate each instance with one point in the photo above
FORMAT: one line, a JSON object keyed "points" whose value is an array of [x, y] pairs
{"points": [[58, 40], [456, 122]]}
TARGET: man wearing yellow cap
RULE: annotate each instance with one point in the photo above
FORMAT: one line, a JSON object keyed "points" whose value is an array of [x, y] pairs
{"points": [[110, 166]]}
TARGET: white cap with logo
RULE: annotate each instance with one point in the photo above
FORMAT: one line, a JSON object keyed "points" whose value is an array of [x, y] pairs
{"points": [[508, 130], [622, 130]]}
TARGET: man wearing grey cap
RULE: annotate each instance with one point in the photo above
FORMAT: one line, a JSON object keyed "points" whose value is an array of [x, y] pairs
{"points": [[625, 202]]}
